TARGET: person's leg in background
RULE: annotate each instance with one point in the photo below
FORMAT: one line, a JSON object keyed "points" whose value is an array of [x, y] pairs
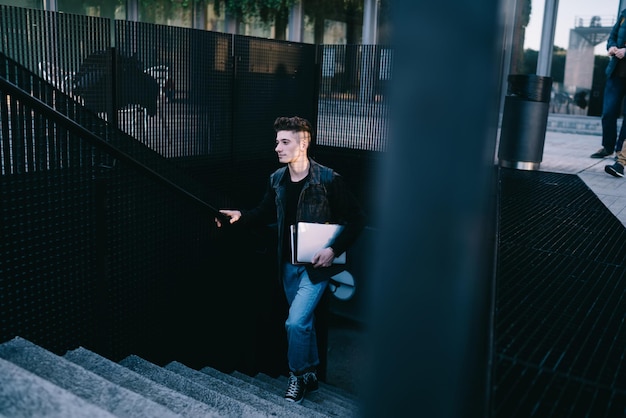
{"points": [[612, 104], [622, 131]]}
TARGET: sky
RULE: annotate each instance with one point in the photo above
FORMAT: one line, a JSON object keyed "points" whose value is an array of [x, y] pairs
{"points": [[567, 13]]}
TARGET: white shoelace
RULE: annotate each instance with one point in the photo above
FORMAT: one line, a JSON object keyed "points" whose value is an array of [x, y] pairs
{"points": [[292, 389]]}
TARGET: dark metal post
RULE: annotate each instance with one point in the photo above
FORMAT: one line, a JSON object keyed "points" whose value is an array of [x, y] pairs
{"points": [[432, 268]]}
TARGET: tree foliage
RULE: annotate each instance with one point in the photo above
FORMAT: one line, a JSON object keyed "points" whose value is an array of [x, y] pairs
{"points": [[277, 11], [161, 3], [349, 11], [266, 10], [557, 67], [331, 8]]}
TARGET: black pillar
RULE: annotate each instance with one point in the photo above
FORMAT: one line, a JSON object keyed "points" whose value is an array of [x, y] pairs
{"points": [[431, 278]]}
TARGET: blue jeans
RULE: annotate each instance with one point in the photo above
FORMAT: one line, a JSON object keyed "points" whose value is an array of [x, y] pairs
{"points": [[303, 297], [614, 93]]}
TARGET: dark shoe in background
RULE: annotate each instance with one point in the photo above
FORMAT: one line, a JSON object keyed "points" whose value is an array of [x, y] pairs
{"points": [[601, 153], [616, 170], [310, 382]]}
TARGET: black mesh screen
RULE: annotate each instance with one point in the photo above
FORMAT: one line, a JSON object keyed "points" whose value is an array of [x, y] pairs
{"points": [[192, 107], [353, 93], [51, 44], [561, 288], [153, 242], [93, 233], [48, 249]]}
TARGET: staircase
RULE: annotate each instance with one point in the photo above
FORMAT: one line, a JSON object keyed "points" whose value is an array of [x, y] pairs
{"points": [[81, 383]]}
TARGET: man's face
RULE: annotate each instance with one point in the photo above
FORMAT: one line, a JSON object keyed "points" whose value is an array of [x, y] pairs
{"points": [[289, 148]]}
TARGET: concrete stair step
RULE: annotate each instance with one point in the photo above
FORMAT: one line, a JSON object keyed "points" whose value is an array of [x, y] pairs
{"points": [[84, 384], [316, 401], [221, 403], [271, 395], [120, 375], [341, 393], [36, 382], [24, 394], [236, 391]]}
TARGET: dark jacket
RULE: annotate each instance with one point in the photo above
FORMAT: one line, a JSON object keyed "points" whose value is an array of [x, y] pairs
{"points": [[617, 38], [325, 198]]}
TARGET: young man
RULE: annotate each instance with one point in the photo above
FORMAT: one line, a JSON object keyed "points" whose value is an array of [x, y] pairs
{"points": [[303, 191]]}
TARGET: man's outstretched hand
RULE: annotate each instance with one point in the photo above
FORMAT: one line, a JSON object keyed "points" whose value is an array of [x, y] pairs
{"points": [[233, 216]]}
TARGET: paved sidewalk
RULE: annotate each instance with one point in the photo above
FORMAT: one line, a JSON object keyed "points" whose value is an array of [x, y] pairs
{"points": [[569, 153], [568, 144]]}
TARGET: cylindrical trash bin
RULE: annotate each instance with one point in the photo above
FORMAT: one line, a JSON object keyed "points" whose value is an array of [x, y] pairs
{"points": [[524, 121]]}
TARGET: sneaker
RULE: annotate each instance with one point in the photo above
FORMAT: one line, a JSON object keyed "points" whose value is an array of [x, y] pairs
{"points": [[601, 153], [296, 388], [616, 170], [310, 382]]}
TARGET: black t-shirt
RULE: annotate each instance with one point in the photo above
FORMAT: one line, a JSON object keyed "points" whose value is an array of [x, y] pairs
{"points": [[292, 196]]}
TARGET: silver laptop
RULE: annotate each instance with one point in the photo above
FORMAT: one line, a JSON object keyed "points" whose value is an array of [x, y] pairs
{"points": [[308, 238]]}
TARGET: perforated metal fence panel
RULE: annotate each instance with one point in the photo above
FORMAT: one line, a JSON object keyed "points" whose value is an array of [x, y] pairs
{"points": [[47, 291], [353, 110], [193, 103], [560, 293], [89, 241], [51, 44]]}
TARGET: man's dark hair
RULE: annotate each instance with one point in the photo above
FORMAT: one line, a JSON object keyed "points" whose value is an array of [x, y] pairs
{"points": [[294, 123]]}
